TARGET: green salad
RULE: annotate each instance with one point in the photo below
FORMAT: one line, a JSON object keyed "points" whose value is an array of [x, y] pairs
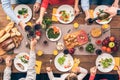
{"points": [[52, 34], [106, 62], [22, 11], [24, 59], [61, 60]]}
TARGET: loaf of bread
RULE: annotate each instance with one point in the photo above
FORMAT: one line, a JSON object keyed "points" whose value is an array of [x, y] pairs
{"points": [[3, 38], [9, 26], [2, 32]]}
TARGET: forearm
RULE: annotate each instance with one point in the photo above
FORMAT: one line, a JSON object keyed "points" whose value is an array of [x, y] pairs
{"points": [[83, 73], [8, 10], [31, 74], [7, 73], [42, 12], [85, 5], [116, 1], [50, 75], [92, 77], [76, 3]]}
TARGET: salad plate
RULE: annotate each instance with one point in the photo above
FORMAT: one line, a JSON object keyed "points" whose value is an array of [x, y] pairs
{"points": [[105, 62], [65, 14], [63, 62], [97, 11], [21, 61], [23, 12], [53, 33]]}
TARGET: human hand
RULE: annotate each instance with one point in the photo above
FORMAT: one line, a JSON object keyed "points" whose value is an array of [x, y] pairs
{"points": [[48, 69], [112, 11], [39, 21], [118, 71], [22, 25], [33, 44], [115, 4], [93, 70], [36, 7], [86, 18], [77, 11], [8, 61]]}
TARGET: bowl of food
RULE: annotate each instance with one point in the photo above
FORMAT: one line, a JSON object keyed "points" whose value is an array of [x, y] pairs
{"points": [[53, 33]]}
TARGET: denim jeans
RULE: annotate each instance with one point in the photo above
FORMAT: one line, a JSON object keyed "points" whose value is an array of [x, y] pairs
{"points": [[101, 2], [23, 1]]}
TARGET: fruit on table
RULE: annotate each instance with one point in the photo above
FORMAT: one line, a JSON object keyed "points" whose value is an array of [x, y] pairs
{"points": [[111, 44], [40, 53], [112, 38], [55, 52], [72, 50], [76, 25], [108, 49], [90, 48], [104, 48], [98, 42]]}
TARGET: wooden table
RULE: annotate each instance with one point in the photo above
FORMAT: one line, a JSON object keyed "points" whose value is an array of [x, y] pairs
{"points": [[87, 61]]}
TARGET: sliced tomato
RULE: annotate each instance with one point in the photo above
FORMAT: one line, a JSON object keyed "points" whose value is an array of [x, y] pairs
{"points": [[38, 33]]}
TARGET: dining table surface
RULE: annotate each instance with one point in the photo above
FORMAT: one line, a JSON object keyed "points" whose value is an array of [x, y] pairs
{"points": [[86, 61]]}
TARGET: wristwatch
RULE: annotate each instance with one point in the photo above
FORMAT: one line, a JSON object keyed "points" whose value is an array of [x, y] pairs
{"points": [[118, 12]]}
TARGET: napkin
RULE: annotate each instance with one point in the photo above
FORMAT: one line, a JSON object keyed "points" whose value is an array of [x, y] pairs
{"points": [[76, 63], [117, 62], [8, 18], [91, 13], [54, 18], [38, 67]]}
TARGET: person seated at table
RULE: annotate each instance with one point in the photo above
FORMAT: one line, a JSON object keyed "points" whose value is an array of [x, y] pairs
{"points": [[93, 71], [6, 5], [68, 76], [114, 3], [45, 3], [31, 73]]}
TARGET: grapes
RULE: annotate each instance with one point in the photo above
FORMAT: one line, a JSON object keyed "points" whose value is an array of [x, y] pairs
{"points": [[115, 49]]}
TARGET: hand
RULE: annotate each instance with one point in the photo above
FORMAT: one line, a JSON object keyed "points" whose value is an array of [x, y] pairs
{"points": [[115, 4], [86, 18], [22, 25], [39, 21], [36, 7], [93, 70], [33, 44], [118, 71], [48, 69], [8, 61], [112, 11], [77, 11]]}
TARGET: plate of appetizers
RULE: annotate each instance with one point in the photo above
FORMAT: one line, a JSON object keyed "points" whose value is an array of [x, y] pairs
{"points": [[21, 61], [23, 12], [63, 62], [97, 11], [65, 14]]}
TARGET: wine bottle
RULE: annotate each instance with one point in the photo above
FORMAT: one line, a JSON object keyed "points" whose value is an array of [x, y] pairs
{"points": [[101, 16]]}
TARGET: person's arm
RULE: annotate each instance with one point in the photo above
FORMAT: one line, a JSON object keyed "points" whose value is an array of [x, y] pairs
{"points": [[85, 6], [83, 73], [8, 10], [93, 71], [31, 73], [44, 5], [39, 1], [76, 7], [7, 73]]}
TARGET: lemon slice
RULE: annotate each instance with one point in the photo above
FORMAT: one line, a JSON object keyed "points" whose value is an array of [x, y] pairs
{"points": [[105, 26], [76, 25], [29, 23], [55, 52], [40, 53]]}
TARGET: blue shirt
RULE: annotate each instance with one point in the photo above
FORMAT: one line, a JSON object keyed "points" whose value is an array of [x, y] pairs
{"points": [[6, 5], [101, 2]]}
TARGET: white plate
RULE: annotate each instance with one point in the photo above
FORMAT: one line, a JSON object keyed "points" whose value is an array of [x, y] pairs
{"points": [[61, 67], [19, 7], [52, 39], [102, 7], [103, 56], [69, 9], [17, 60]]}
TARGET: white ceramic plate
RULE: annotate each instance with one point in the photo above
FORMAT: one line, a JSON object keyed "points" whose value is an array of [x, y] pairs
{"points": [[102, 7], [104, 56], [19, 7], [69, 9], [52, 39], [18, 60], [62, 68]]}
